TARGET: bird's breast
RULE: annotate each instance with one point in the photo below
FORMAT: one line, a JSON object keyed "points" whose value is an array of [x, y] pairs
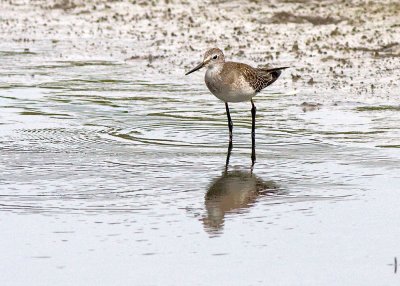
{"points": [[213, 82], [228, 87]]}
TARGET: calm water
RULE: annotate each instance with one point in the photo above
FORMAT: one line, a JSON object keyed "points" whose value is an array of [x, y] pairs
{"points": [[109, 176]]}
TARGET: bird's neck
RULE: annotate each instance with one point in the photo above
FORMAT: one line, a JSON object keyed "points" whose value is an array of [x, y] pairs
{"points": [[215, 69]]}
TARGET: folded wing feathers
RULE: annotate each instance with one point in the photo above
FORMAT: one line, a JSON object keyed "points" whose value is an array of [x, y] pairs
{"points": [[267, 76]]}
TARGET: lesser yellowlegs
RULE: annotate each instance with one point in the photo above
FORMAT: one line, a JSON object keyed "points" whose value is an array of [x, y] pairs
{"points": [[235, 82]]}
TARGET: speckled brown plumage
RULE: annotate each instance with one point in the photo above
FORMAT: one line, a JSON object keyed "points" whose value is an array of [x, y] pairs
{"points": [[258, 78]]}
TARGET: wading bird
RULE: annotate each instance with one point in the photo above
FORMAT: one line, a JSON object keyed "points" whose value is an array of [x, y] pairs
{"points": [[235, 82]]}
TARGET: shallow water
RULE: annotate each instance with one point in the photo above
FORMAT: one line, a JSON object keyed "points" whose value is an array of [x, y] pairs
{"points": [[109, 176]]}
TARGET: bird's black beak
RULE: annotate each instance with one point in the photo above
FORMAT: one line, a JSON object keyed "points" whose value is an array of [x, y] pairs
{"points": [[196, 68]]}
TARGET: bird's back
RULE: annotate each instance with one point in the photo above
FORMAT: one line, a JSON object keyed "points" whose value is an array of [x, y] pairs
{"points": [[257, 78]]}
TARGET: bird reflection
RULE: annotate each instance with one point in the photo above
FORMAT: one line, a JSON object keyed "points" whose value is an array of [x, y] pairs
{"points": [[233, 192]]}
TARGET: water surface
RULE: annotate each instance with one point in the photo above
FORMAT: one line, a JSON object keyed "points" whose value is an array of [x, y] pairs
{"points": [[112, 176]]}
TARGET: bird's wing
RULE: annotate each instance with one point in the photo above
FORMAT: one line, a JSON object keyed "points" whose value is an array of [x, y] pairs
{"points": [[252, 77], [233, 71], [257, 78], [268, 76]]}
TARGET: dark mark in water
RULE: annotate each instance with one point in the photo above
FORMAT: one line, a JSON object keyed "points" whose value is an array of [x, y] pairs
{"points": [[44, 113], [15, 53], [379, 108], [388, 146], [310, 106]]}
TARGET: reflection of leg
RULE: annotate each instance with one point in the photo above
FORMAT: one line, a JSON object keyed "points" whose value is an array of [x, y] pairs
{"points": [[253, 154], [230, 125], [228, 156], [253, 133]]}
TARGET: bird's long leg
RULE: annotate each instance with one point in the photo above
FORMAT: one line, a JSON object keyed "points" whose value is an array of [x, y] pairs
{"points": [[253, 120], [230, 125], [253, 132]]}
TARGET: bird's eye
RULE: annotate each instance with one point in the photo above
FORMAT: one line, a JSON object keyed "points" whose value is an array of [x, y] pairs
{"points": [[215, 57]]}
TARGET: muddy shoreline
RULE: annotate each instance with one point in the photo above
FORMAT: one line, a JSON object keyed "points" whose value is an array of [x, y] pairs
{"points": [[348, 46]]}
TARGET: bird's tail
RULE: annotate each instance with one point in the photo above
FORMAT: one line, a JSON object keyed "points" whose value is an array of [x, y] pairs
{"points": [[276, 69], [271, 75]]}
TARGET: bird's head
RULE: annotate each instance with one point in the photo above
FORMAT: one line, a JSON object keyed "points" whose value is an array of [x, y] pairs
{"points": [[211, 57]]}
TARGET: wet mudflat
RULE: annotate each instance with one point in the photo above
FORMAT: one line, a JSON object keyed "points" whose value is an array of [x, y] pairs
{"points": [[114, 166]]}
